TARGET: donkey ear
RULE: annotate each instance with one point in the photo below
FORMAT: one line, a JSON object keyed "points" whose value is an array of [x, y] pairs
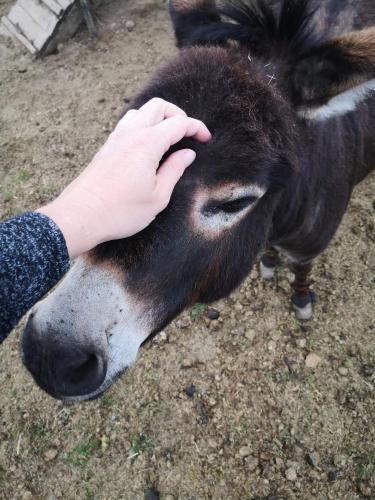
{"points": [[336, 75], [190, 17]]}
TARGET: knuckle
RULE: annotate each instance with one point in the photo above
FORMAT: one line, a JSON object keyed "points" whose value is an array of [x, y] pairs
{"points": [[157, 101]]}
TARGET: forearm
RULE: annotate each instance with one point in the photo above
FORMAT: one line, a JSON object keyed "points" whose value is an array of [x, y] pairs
{"points": [[33, 257]]}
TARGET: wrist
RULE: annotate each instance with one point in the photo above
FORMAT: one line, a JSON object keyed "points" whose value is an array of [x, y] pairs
{"points": [[74, 226]]}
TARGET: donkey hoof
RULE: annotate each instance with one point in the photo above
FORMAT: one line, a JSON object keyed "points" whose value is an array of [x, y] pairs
{"points": [[266, 272], [303, 305], [304, 313]]}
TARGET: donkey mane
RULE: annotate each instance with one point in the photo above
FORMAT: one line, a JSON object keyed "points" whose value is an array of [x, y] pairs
{"points": [[282, 28], [265, 28]]}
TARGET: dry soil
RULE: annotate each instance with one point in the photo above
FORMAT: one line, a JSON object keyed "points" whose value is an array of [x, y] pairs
{"points": [[223, 409]]}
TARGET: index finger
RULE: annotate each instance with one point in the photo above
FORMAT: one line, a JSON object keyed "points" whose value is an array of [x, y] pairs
{"points": [[152, 113], [172, 130]]}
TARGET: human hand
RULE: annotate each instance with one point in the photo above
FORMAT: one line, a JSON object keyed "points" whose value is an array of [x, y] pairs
{"points": [[122, 189]]}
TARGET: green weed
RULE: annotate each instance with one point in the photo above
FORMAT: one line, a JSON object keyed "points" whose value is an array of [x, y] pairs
{"points": [[39, 437], [365, 465], [7, 196], [23, 175], [141, 443], [82, 452], [197, 310]]}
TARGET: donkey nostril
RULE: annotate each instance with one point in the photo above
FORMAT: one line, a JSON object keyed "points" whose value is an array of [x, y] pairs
{"points": [[59, 368], [77, 372]]}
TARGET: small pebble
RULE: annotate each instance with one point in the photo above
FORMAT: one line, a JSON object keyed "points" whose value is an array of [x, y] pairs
{"points": [[252, 463], [250, 334], [190, 390], [245, 451], [291, 474], [343, 371], [332, 476], [130, 25], [367, 370], [271, 345], [50, 454], [301, 343], [212, 313], [312, 360], [152, 494], [339, 460], [312, 459]]}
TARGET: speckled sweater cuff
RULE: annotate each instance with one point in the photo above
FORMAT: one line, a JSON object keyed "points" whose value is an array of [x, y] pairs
{"points": [[33, 257]]}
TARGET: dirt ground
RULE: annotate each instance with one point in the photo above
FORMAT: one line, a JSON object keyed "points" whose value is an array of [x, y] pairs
{"points": [[213, 409]]}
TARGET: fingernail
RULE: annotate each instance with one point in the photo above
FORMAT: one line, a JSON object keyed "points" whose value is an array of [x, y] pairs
{"points": [[189, 155]]}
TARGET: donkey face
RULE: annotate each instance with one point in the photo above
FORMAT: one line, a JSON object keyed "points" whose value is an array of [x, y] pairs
{"points": [[80, 338]]}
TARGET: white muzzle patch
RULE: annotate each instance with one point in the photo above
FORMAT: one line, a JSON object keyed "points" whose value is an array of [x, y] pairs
{"points": [[91, 307]]}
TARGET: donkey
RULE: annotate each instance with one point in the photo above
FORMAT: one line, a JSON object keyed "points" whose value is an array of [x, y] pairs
{"points": [[286, 87]]}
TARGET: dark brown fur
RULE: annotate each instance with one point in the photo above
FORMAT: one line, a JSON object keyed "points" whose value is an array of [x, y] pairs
{"points": [[247, 80]]}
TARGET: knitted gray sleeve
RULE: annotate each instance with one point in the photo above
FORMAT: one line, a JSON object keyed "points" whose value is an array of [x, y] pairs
{"points": [[33, 257]]}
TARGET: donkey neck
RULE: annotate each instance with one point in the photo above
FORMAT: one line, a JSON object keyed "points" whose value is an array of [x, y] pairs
{"points": [[334, 155]]}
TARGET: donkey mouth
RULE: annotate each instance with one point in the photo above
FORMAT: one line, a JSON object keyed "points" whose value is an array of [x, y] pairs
{"points": [[75, 371]]}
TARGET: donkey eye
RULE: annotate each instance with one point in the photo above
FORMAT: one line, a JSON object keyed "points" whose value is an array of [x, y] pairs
{"points": [[231, 206]]}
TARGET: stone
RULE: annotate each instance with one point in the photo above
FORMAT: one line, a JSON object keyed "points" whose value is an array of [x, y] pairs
{"points": [[339, 461], [212, 313], [271, 345], [152, 494], [312, 459], [332, 476], [312, 360], [250, 334], [245, 451], [367, 370], [50, 454], [130, 25], [252, 463], [291, 474], [190, 390], [343, 371]]}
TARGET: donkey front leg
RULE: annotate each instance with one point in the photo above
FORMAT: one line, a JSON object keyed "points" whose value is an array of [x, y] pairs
{"points": [[268, 263], [303, 297]]}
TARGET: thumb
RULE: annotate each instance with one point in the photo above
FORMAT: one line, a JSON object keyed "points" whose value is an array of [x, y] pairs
{"points": [[171, 171]]}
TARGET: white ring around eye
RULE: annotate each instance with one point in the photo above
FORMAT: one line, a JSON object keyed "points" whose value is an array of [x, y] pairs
{"points": [[211, 225]]}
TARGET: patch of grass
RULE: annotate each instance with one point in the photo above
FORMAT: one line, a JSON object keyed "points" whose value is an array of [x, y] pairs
{"points": [[310, 342], [365, 464], [7, 196], [106, 401], [196, 311], [283, 377], [312, 378], [2, 475], [48, 190], [89, 493], [39, 436], [82, 452], [23, 175], [141, 443]]}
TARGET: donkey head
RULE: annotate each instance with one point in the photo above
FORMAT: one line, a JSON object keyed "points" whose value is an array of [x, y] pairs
{"points": [[221, 216]]}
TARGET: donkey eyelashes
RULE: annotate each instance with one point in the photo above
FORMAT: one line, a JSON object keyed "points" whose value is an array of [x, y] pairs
{"points": [[229, 207]]}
